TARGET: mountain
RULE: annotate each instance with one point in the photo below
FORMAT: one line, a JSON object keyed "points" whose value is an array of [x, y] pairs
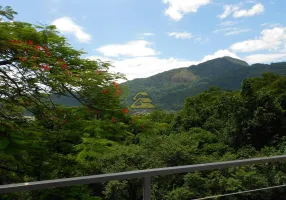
{"points": [[168, 90]]}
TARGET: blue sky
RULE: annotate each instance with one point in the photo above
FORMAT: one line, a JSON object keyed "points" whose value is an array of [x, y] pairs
{"points": [[142, 38]]}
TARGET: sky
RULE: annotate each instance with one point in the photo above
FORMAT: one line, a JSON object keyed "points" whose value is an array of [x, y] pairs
{"points": [[144, 37]]}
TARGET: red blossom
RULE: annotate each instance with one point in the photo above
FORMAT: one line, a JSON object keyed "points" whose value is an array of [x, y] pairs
{"points": [[45, 67], [104, 91], [30, 42], [38, 47], [113, 119], [15, 41], [34, 57], [117, 93], [115, 84], [23, 59], [48, 53], [64, 66], [125, 110], [45, 48]]}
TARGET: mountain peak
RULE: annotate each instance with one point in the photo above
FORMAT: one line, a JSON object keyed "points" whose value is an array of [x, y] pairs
{"points": [[235, 60]]}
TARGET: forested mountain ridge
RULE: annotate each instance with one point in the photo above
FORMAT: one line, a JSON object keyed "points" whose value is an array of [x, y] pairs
{"points": [[169, 89]]}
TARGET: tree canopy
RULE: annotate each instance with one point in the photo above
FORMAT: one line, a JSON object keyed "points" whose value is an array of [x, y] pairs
{"points": [[100, 136]]}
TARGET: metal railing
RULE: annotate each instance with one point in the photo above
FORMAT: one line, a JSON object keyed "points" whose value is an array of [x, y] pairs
{"points": [[145, 174]]}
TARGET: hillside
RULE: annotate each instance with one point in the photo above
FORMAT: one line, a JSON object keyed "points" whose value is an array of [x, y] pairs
{"points": [[169, 89]]}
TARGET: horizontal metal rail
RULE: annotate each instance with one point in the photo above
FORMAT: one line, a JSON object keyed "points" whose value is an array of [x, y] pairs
{"points": [[146, 174]]}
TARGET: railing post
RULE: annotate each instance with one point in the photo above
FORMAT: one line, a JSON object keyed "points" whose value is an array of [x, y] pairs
{"points": [[147, 188]]}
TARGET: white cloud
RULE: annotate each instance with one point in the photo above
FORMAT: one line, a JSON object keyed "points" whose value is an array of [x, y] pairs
{"points": [[238, 13], [255, 10], [148, 34], [142, 67], [223, 30], [270, 39], [67, 26], [228, 9], [138, 48], [142, 36], [236, 32], [182, 35], [102, 58], [227, 23], [220, 54], [178, 8], [264, 58], [231, 31], [271, 25]]}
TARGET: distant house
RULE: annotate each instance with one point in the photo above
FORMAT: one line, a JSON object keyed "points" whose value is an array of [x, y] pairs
{"points": [[32, 118], [141, 100]]}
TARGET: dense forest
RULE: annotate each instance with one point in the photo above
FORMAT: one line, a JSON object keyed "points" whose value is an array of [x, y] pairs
{"points": [[100, 136], [169, 89]]}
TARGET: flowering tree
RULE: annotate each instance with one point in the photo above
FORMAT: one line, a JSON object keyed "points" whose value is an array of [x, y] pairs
{"points": [[35, 65]]}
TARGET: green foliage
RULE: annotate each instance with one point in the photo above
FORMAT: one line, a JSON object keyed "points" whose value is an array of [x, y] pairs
{"points": [[169, 89], [81, 128]]}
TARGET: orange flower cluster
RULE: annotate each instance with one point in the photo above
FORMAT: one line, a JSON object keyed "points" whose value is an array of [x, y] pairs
{"points": [[125, 110], [29, 42], [37, 47], [115, 84], [118, 89], [47, 51], [64, 66], [45, 67], [104, 91], [23, 59]]}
